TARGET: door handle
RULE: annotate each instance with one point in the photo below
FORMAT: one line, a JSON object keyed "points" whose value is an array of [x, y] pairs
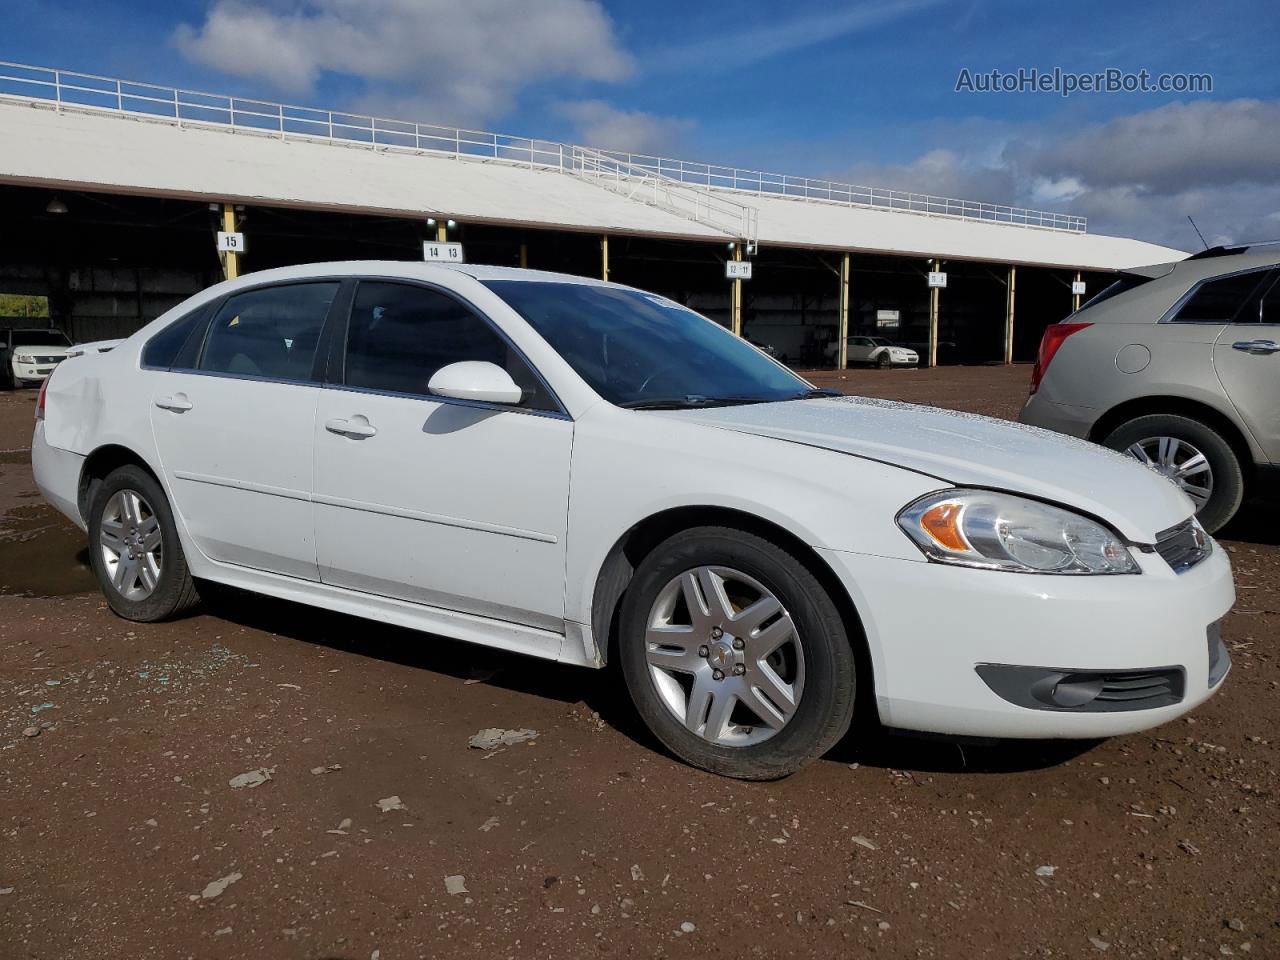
{"points": [[1257, 347], [178, 403], [357, 426]]}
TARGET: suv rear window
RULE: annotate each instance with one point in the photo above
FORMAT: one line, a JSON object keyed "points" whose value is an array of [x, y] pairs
{"points": [[1126, 283]]}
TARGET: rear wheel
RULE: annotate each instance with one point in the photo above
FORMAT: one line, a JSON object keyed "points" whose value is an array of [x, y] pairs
{"points": [[734, 654], [134, 548], [1191, 454]]}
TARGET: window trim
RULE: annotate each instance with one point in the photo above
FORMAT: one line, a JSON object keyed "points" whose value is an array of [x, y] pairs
{"points": [[336, 368], [1171, 314]]}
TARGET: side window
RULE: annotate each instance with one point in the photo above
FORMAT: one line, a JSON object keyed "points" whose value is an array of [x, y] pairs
{"points": [[400, 335], [271, 332], [163, 349], [1268, 297], [1219, 301]]}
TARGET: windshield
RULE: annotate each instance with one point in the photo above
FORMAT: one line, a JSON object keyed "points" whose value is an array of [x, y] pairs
{"points": [[881, 342], [641, 349], [40, 338]]}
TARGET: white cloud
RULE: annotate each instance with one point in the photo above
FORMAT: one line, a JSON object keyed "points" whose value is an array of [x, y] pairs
{"points": [[599, 124], [732, 50], [1139, 175], [439, 60]]}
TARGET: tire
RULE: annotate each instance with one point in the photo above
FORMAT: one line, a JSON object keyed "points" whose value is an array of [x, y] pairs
{"points": [[172, 589], [816, 663], [883, 361], [1227, 490]]}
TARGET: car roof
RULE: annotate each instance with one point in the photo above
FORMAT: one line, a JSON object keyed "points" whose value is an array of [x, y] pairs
{"points": [[417, 270]]}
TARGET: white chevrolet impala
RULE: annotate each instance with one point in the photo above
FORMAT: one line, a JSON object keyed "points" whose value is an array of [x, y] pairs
{"points": [[590, 473]]}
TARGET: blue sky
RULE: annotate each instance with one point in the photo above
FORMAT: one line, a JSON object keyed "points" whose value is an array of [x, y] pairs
{"points": [[860, 91]]}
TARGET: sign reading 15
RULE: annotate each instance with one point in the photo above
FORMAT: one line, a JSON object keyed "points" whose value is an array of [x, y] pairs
{"points": [[451, 252], [230, 242]]}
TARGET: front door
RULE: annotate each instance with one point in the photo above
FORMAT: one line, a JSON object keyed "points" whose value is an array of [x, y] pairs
{"points": [[235, 434], [452, 504]]}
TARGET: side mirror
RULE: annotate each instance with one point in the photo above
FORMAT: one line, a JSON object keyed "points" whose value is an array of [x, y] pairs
{"points": [[475, 380]]}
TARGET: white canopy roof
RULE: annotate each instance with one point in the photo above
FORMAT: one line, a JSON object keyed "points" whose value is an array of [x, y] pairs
{"points": [[86, 149]]}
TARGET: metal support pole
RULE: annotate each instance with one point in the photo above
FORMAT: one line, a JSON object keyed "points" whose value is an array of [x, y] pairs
{"points": [[524, 255], [736, 297], [604, 256], [230, 259], [1010, 291], [934, 302], [1075, 297], [842, 349]]}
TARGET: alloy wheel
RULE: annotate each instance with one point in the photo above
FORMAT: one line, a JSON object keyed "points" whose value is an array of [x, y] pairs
{"points": [[724, 656], [131, 544], [1178, 461]]}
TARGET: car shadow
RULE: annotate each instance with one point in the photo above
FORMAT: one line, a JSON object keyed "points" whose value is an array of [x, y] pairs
{"points": [[868, 744], [1258, 522], [602, 691]]}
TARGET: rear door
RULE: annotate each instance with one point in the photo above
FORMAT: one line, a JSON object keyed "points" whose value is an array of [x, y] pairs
{"points": [[454, 504], [234, 427], [1246, 357]]}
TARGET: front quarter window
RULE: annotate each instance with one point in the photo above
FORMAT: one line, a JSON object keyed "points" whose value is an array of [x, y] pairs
{"points": [[641, 349]]}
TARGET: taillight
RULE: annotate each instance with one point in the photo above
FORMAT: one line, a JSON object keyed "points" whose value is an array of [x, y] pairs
{"points": [[44, 386], [1054, 336]]}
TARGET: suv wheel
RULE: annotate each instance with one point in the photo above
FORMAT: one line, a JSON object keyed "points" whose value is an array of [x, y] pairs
{"points": [[134, 548], [1191, 454], [734, 654]]}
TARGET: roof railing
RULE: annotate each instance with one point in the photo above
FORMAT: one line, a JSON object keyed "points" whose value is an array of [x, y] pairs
{"points": [[180, 106]]}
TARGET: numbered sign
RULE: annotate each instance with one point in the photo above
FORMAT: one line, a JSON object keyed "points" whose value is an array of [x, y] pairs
{"points": [[937, 279], [737, 269], [448, 252], [1077, 287], [230, 242]]}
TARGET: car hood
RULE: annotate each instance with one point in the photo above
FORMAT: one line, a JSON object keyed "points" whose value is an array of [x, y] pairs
{"points": [[969, 450], [41, 350]]}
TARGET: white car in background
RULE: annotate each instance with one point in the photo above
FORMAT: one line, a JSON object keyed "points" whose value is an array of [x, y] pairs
{"points": [[29, 356], [588, 473], [881, 352]]}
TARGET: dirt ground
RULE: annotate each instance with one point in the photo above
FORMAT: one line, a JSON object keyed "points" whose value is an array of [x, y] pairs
{"points": [[122, 834]]}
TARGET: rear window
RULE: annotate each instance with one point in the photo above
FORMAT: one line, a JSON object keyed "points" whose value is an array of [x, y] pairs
{"points": [[1127, 282], [162, 350]]}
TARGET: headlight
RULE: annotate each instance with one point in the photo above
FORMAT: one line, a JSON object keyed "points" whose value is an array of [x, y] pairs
{"points": [[998, 531], [24, 358]]}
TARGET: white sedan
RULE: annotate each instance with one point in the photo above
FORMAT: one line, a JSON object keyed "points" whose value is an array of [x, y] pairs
{"points": [[593, 474], [881, 352]]}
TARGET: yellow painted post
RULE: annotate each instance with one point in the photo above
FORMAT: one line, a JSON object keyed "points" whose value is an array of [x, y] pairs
{"points": [[1010, 291], [736, 304], [934, 303], [604, 256], [442, 232], [1075, 297], [842, 351], [524, 255], [230, 259]]}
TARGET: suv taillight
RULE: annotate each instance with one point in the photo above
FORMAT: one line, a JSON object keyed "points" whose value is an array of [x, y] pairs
{"points": [[44, 385], [1054, 336]]}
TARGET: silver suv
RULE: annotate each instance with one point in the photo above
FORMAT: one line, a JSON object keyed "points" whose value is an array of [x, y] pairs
{"points": [[1177, 365]]}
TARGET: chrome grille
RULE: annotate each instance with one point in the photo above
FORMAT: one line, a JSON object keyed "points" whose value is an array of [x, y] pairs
{"points": [[1183, 546]]}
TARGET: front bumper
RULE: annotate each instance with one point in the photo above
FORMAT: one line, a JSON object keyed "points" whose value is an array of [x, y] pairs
{"points": [[930, 626], [32, 372]]}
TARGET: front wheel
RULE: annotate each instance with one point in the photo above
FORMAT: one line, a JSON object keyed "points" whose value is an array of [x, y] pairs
{"points": [[735, 655], [134, 548], [883, 361], [1192, 455]]}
